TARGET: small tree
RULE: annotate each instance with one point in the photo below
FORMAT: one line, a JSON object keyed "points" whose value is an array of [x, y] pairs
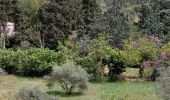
{"points": [[70, 76], [163, 90]]}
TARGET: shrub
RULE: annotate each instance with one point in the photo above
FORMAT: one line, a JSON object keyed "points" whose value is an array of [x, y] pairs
{"points": [[102, 54], [166, 49], [31, 62], [70, 76], [33, 93], [163, 90], [117, 65], [142, 52]]}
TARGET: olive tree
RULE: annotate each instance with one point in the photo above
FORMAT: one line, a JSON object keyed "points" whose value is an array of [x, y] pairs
{"points": [[70, 76]]}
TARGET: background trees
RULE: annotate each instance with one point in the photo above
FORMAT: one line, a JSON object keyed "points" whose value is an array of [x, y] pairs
{"points": [[9, 13], [155, 18], [58, 19], [91, 11]]}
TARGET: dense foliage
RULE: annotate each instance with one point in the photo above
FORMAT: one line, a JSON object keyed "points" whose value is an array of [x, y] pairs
{"points": [[31, 62], [58, 20], [155, 18], [164, 80], [87, 34]]}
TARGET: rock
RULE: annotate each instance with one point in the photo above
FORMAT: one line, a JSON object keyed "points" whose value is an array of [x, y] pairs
{"points": [[2, 72]]}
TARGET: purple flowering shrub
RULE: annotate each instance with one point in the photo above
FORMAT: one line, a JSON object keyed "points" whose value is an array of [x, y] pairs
{"points": [[144, 53], [141, 51]]}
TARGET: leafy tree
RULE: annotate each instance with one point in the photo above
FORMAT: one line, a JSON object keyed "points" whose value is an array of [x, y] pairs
{"points": [[91, 12], [29, 29], [163, 89], [155, 18], [58, 18], [9, 13], [117, 23]]}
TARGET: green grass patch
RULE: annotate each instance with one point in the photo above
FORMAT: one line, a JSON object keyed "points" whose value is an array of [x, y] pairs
{"points": [[10, 85]]}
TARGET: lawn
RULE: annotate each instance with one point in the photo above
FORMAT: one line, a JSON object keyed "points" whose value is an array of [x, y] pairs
{"points": [[10, 85]]}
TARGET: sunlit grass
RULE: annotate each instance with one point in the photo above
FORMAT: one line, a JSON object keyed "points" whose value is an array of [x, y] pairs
{"points": [[10, 85]]}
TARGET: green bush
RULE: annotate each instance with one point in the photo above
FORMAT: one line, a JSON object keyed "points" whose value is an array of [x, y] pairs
{"points": [[166, 49], [117, 65], [102, 54], [138, 50], [31, 62], [70, 76]]}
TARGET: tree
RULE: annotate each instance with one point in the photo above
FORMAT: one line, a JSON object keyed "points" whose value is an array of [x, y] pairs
{"points": [[58, 18], [163, 89], [29, 29], [91, 12], [155, 18], [70, 76], [117, 22], [9, 13]]}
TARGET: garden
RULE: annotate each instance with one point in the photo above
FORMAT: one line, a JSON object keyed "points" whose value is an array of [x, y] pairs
{"points": [[84, 50]]}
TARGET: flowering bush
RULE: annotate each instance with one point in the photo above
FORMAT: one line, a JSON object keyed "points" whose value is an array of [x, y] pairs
{"points": [[141, 51]]}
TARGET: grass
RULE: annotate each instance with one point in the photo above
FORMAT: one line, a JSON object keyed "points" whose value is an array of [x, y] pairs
{"points": [[10, 85]]}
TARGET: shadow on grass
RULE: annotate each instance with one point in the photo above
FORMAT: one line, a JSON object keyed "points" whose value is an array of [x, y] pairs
{"points": [[63, 94]]}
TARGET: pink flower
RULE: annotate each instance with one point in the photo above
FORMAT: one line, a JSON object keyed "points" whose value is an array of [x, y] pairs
{"points": [[163, 56], [157, 63], [146, 64], [8, 30], [154, 38], [136, 43]]}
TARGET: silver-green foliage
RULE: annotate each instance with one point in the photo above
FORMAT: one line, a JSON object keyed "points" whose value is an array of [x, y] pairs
{"points": [[70, 76], [33, 93], [163, 90]]}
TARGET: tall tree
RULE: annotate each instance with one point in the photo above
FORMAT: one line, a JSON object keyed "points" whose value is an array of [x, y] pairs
{"points": [[30, 25], [58, 18], [155, 18], [9, 13], [91, 12], [117, 23]]}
